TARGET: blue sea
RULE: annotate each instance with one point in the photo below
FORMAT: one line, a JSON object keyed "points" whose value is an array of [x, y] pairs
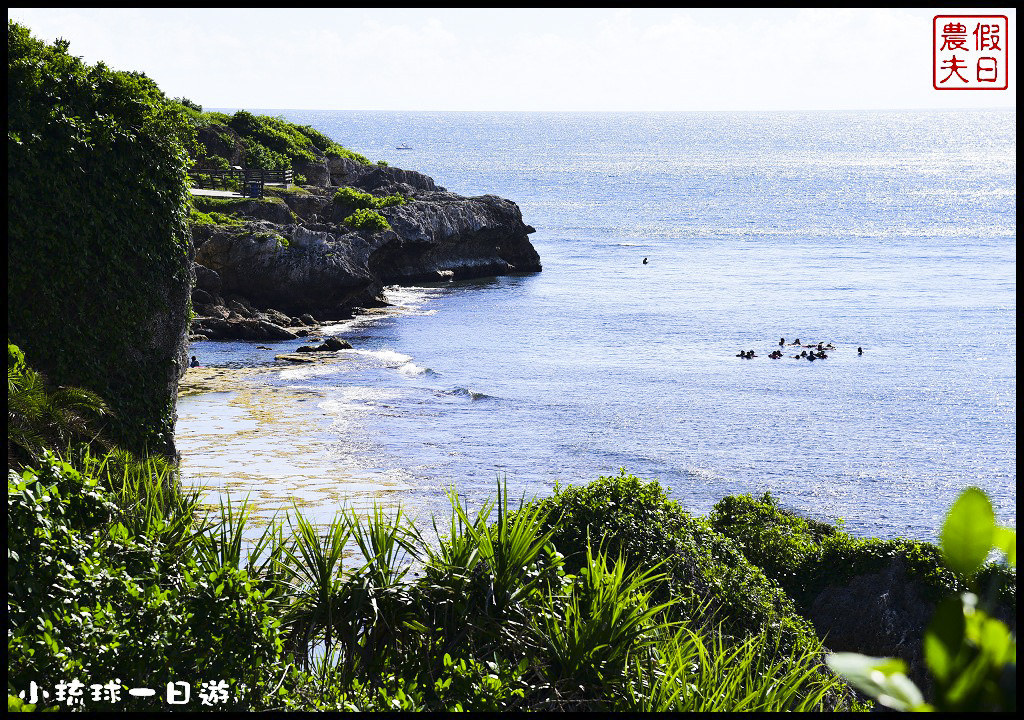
{"points": [[891, 231]]}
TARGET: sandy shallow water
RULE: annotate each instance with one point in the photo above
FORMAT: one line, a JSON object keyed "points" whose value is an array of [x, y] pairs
{"points": [[242, 437]]}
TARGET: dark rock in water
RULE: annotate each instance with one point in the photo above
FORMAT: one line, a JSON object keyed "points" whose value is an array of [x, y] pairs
{"points": [[318, 272], [331, 343], [240, 328], [334, 343], [447, 236], [308, 319]]}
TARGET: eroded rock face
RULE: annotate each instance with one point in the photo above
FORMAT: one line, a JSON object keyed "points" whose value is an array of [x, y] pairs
{"points": [[317, 272], [442, 235], [377, 179]]}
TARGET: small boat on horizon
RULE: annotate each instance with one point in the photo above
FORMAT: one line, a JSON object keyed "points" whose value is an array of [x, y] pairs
{"points": [[403, 146]]}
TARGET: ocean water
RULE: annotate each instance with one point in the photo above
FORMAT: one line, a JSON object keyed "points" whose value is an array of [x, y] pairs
{"points": [[890, 231]]}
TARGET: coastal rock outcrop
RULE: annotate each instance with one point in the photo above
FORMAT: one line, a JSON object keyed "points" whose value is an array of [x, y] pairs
{"points": [[443, 235], [295, 253]]}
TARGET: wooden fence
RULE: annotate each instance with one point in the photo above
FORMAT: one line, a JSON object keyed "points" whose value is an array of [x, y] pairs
{"points": [[249, 182]]}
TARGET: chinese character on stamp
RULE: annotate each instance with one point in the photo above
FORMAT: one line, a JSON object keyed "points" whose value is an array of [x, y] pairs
{"points": [[970, 52]]}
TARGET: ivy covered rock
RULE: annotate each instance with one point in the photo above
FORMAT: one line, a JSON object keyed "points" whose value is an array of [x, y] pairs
{"points": [[99, 250], [863, 595]]}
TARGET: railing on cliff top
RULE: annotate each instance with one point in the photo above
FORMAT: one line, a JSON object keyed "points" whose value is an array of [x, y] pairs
{"points": [[248, 181]]}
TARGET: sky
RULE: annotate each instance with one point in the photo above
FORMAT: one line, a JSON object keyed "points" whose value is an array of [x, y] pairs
{"points": [[603, 59]]}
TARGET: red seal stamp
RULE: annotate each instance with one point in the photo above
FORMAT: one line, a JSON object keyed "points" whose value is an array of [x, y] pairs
{"points": [[970, 52]]}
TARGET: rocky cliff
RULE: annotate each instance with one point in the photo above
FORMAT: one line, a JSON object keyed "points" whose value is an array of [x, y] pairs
{"points": [[290, 252]]}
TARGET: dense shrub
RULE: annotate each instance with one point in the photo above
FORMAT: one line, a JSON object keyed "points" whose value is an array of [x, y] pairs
{"points": [[805, 556], [635, 518], [336, 150], [93, 599], [364, 219], [199, 217], [349, 199], [99, 252], [352, 199]]}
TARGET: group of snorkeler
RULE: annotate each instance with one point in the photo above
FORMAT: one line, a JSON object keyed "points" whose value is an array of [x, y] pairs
{"points": [[814, 352]]}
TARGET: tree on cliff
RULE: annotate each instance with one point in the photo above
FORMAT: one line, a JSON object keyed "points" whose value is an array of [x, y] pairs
{"points": [[99, 251]]}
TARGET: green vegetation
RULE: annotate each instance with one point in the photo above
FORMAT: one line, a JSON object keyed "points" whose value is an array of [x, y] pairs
{"points": [[804, 556], [97, 287], [704, 570], [360, 208], [198, 217], [275, 191], [602, 597], [270, 142], [971, 656], [364, 219], [352, 199]]}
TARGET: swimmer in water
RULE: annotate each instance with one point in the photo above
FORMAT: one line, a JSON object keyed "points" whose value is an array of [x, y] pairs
{"points": [[860, 351], [782, 342], [645, 261]]}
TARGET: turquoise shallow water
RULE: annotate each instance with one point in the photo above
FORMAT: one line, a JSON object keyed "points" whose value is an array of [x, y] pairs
{"points": [[894, 231]]}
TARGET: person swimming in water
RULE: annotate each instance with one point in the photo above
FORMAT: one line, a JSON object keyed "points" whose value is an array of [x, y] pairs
{"points": [[782, 342], [194, 362], [860, 351], [645, 261]]}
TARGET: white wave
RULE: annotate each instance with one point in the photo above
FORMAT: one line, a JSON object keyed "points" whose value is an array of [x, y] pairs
{"points": [[412, 370], [389, 358], [407, 298], [304, 372]]}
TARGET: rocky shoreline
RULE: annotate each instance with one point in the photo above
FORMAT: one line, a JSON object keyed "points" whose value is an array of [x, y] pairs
{"points": [[286, 263]]}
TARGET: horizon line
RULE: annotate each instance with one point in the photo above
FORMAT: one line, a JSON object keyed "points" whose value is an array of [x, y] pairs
{"points": [[788, 110]]}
